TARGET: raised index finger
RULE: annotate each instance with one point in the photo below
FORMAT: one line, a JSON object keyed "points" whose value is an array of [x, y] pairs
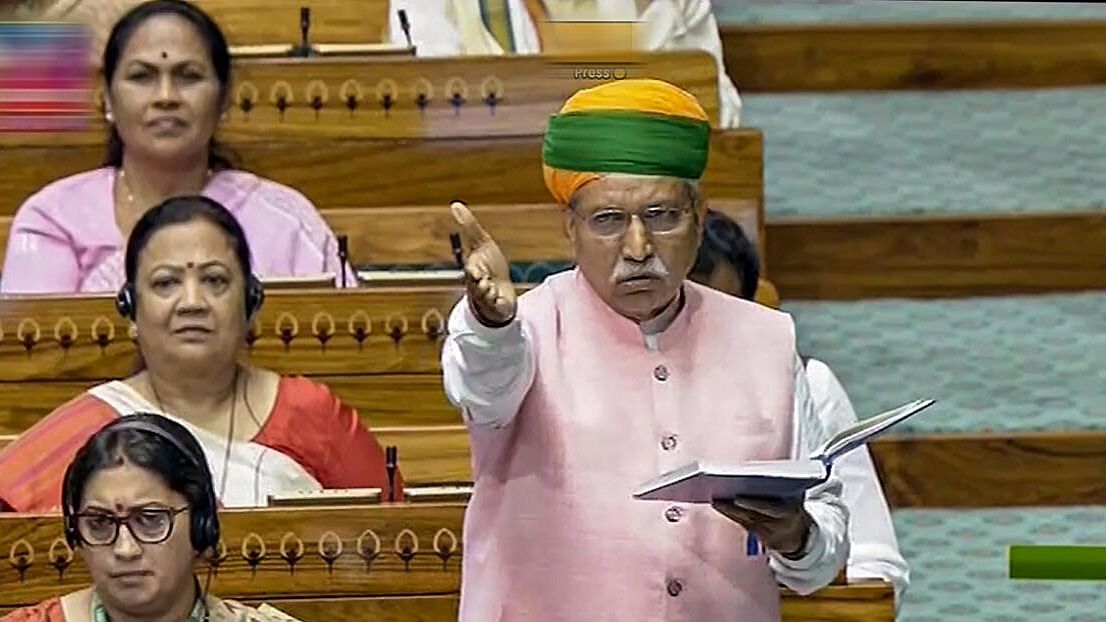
{"points": [[472, 234]]}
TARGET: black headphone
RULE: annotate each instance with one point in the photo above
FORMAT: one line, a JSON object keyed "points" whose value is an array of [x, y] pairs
{"points": [[204, 521], [126, 301]]}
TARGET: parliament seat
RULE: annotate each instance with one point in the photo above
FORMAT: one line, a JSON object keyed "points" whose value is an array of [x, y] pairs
{"points": [[358, 563]]}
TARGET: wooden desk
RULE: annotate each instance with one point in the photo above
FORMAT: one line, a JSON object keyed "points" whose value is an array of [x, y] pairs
{"points": [[473, 96], [369, 345], [366, 563], [257, 22], [378, 348], [384, 173], [409, 181], [273, 554], [396, 387]]}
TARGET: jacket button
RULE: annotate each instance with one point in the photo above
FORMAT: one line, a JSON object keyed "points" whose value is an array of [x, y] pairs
{"points": [[660, 372], [673, 514], [675, 587], [668, 443]]}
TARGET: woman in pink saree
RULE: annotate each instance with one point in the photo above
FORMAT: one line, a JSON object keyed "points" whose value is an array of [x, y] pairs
{"points": [[166, 71]]}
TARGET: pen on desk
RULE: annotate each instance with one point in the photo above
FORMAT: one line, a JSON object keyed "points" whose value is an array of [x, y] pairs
{"points": [[343, 256], [458, 254]]}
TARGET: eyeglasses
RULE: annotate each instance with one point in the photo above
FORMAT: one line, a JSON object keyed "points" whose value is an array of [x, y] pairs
{"points": [[615, 222], [147, 525]]}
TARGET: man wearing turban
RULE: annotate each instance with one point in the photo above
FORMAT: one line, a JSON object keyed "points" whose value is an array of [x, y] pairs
{"points": [[605, 376]]}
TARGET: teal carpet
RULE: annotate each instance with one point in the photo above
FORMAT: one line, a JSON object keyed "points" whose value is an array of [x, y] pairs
{"points": [[959, 565], [995, 364], [912, 152], [999, 364], [852, 11]]}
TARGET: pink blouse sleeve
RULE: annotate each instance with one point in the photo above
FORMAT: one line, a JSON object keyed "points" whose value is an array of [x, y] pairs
{"points": [[40, 258], [319, 252]]}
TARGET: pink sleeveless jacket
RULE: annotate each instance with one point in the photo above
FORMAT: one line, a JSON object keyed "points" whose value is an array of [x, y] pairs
{"points": [[552, 531]]}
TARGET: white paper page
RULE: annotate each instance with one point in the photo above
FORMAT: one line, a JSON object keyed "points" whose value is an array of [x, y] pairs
{"points": [[856, 435]]}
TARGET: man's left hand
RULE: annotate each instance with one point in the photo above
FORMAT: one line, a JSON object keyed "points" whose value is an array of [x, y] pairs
{"points": [[783, 526]]}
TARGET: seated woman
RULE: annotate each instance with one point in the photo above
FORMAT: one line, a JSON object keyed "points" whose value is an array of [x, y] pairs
{"points": [[728, 262], [191, 295], [139, 505], [167, 81]]}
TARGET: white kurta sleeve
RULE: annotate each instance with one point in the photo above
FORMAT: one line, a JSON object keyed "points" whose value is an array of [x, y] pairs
{"points": [[690, 24], [486, 371], [432, 33], [874, 550], [828, 545]]}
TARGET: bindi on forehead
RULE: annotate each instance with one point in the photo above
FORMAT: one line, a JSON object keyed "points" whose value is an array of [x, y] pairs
{"points": [[164, 55]]}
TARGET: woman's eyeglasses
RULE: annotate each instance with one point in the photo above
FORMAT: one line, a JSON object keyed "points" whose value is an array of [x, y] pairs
{"points": [[147, 525]]}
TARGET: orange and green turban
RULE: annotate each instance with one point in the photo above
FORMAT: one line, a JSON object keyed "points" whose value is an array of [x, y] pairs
{"points": [[639, 127]]}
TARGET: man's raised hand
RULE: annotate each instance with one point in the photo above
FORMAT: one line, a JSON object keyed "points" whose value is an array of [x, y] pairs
{"points": [[490, 291]]}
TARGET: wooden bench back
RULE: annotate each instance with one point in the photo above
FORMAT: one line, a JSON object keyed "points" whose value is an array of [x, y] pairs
{"points": [[369, 345], [408, 550], [344, 98], [419, 235], [381, 173], [258, 22], [378, 347], [384, 562], [407, 183], [431, 97]]}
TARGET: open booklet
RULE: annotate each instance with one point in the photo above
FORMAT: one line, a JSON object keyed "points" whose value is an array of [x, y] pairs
{"points": [[322, 280], [780, 479], [288, 50], [410, 278]]}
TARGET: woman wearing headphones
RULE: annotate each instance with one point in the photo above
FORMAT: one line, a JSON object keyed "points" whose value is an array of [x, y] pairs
{"points": [[191, 295], [139, 505]]}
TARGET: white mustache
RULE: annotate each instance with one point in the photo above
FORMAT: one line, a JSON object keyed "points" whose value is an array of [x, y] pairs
{"points": [[653, 268]]}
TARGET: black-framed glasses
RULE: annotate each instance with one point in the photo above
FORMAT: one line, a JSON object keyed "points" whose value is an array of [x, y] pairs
{"points": [[147, 525], [612, 222]]}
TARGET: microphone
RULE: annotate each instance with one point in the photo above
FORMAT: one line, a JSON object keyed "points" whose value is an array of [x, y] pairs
{"points": [[455, 244], [406, 27], [343, 256], [305, 27], [390, 460]]}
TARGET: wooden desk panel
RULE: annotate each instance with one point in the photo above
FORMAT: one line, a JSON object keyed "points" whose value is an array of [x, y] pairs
{"points": [[261, 22], [254, 565], [473, 96], [382, 330], [416, 572], [344, 173], [433, 97], [382, 400], [420, 234]]}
